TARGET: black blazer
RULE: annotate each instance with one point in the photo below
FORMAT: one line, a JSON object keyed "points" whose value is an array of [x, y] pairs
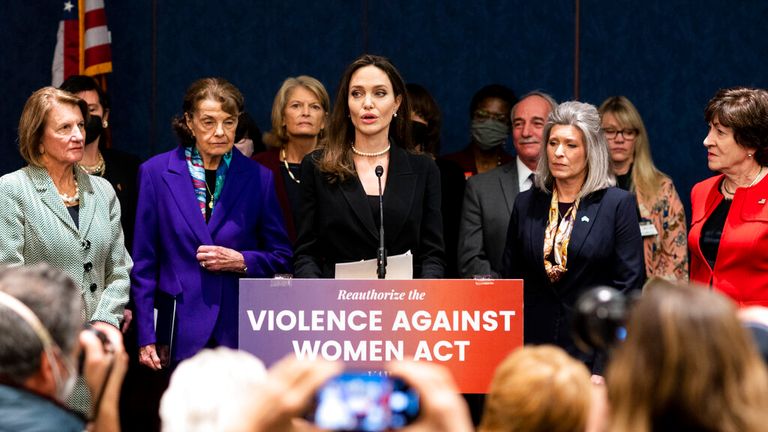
{"points": [[605, 249], [336, 223]]}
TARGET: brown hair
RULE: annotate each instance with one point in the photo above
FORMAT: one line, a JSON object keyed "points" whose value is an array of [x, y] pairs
{"points": [[646, 178], [215, 89], [687, 362], [424, 105], [336, 159], [35, 115], [745, 110], [281, 99], [538, 388]]}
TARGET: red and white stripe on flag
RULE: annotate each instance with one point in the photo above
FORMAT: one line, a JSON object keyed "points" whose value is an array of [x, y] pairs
{"points": [[82, 41]]}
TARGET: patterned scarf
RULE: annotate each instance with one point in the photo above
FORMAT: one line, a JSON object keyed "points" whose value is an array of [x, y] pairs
{"points": [[197, 171], [556, 238]]}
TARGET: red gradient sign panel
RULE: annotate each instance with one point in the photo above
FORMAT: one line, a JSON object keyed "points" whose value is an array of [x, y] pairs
{"points": [[467, 325]]}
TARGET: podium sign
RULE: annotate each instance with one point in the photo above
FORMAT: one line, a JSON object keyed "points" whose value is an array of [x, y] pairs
{"points": [[467, 325]]}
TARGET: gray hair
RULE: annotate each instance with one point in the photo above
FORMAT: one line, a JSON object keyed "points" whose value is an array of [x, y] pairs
{"points": [[550, 100], [56, 301], [187, 405], [585, 117]]}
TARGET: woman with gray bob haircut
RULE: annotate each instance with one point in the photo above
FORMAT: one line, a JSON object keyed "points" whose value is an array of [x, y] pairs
{"points": [[586, 118], [572, 231]]}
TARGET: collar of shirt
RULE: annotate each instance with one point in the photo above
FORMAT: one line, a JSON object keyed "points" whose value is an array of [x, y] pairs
{"points": [[523, 174]]}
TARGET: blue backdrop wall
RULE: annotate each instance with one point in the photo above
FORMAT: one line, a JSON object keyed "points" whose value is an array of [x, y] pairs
{"points": [[668, 57]]}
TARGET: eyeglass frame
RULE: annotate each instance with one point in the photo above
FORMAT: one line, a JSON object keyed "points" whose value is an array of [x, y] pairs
{"points": [[481, 114], [616, 132]]}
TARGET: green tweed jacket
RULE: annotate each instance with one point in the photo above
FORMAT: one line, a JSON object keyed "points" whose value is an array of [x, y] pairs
{"points": [[35, 226]]}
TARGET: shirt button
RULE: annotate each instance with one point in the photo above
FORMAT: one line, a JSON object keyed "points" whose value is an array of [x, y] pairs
{"points": [[87, 266], [93, 287]]}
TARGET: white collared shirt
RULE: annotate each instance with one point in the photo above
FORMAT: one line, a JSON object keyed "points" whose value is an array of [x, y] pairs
{"points": [[523, 174]]}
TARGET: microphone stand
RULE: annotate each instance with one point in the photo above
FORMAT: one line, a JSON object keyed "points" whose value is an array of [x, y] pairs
{"points": [[381, 255]]}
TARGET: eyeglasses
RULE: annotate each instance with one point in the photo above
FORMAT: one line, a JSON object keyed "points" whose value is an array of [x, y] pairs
{"points": [[209, 124], [483, 115], [628, 134]]}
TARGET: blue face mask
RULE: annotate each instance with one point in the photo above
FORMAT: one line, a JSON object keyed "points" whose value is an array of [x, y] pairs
{"points": [[489, 133]]}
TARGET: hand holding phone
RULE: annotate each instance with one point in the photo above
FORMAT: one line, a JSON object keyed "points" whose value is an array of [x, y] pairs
{"points": [[365, 401]]}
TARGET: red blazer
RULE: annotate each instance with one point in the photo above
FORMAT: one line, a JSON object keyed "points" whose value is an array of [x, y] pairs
{"points": [[741, 269]]}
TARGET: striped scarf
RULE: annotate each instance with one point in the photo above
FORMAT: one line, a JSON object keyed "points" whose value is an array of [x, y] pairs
{"points": [[197, 171]]}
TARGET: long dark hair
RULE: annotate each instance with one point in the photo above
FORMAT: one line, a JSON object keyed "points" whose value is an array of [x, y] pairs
{"points": [[336, 160]]}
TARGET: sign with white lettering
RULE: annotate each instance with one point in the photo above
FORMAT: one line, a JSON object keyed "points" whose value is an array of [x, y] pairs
{"points": [[467, 325]]}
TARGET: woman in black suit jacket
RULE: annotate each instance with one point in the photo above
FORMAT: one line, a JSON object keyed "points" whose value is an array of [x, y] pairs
{"points": [[339, 217], [573, 231]]}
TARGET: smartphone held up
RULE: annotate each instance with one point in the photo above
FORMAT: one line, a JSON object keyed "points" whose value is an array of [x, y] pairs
{"points": [[364, 401]]}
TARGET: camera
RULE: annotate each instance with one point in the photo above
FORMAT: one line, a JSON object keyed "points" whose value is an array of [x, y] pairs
{"points": [[105, 344], [600, 318], [364, 401]]}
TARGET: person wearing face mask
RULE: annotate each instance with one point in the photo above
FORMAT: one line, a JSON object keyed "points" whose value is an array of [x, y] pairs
{"points": [[489, 113], [41, 339], [490, 196], [426, 121], [118, 167], [51, 211], [248, 136]]}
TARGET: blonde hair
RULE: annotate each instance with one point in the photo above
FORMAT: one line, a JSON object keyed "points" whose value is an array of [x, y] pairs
{"points": [[687, 359], [35, 115], [281, 99], [646, 178], [538, 388]]}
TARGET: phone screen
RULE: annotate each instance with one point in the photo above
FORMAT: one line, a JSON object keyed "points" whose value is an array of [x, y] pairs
{"points": [[358, 401]]}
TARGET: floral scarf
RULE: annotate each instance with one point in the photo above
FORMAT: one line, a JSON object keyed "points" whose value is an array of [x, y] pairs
{"points": [[557, 236], [197, 171]]}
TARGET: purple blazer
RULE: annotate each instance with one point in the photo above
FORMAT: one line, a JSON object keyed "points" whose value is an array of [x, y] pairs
{"points": [[170, 228]]}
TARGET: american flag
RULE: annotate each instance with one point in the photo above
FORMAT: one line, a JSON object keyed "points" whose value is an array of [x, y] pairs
{"points": [[82, 41]]}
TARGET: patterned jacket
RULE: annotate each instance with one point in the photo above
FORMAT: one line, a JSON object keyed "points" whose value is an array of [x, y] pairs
{"points": [[666, 254]]}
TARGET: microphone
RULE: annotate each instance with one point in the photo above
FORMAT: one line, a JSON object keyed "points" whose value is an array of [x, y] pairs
{"points": [[381, 255]]}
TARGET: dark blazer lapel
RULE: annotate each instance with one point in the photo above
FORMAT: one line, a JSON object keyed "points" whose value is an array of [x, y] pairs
{"points": [[354, 194], [537, 224], [399, 194], [509, 184], [236, 179], [586, 217], [49, 195], [179, 184], [87, 204]]}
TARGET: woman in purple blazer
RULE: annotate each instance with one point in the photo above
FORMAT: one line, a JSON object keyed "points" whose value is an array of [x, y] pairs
{"points": [[206, 216]]}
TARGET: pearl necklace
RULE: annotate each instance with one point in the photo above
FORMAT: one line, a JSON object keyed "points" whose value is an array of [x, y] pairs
{"points": [[285, 162], [373, 154], [71, 200]]}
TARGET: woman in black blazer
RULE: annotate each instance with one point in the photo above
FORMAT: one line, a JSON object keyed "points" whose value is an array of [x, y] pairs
{"points": [[573, 231], [339, 218]]}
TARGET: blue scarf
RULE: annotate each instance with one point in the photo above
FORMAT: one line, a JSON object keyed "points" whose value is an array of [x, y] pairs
{"points": [[197, 171]]}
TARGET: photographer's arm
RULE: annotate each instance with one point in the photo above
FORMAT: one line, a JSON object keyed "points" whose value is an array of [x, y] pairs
{"points": [[286, 394], [442, 408], [104, 369]]}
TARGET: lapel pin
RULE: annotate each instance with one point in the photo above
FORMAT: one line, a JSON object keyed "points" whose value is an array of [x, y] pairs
{"points": [[584, 219], [761, 201]]}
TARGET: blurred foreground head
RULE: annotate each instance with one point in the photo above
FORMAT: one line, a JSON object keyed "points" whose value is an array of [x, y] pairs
{"points": [[687, 364], [538, 388]]}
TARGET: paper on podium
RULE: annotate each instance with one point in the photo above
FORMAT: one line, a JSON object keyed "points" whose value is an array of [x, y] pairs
{"points": [[398, 267]]}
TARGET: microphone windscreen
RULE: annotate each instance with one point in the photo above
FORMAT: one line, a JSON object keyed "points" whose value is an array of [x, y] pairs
{"points": [[379, 171]]}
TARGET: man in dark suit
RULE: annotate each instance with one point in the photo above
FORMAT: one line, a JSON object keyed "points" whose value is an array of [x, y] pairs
{"points": [[489, 197]]}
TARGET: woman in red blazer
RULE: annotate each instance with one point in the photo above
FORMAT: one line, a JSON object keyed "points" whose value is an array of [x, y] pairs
{"points": [[728, 241]]}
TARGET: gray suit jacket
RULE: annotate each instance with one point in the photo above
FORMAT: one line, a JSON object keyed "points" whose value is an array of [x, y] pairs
{"points": [[36, 227], [488, 202]]}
